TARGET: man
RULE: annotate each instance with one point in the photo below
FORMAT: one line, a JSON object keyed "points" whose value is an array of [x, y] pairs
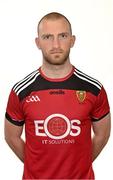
{"points": [[58, 105]]}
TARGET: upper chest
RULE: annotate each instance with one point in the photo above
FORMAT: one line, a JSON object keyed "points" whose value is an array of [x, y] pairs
{"points": [[72, 103]]}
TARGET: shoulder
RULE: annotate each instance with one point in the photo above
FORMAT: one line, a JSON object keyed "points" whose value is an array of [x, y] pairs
{"points": [[25, 83], [87, 82]]}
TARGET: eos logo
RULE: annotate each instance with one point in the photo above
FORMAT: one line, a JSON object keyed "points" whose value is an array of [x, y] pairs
{"points": [[32, 99], [57, 126]]}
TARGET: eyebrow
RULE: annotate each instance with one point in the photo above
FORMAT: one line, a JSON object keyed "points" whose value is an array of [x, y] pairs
{"points": [[48, 34], [67, 33], [43, 35]]}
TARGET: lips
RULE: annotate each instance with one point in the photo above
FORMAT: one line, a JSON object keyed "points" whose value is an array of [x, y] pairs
{"points": [[56, 52]]}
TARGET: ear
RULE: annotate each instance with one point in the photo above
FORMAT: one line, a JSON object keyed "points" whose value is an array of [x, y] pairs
{"points": [[73, 39], [37, 42]]}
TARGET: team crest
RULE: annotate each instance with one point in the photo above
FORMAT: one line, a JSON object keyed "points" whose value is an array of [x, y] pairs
{"points": [[81, 95]]}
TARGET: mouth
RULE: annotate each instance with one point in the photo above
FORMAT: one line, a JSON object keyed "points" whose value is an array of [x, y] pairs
{"points": [[56, 51]]}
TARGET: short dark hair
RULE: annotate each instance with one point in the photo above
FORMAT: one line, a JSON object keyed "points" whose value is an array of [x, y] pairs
{"points": [[54, 16]]}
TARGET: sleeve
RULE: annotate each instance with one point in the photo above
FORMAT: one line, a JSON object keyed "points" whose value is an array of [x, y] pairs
{"points": [[101, 106], [14, 111]]}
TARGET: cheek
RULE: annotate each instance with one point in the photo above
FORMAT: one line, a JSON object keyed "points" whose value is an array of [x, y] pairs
{"points": [[45, 46], [66, 45], [45, 50]]}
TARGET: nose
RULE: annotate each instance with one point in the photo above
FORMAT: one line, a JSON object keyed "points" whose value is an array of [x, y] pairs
{"points": [[56, 43]]}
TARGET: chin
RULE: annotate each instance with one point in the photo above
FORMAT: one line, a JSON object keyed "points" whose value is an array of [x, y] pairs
{"points": [[57, 62]]}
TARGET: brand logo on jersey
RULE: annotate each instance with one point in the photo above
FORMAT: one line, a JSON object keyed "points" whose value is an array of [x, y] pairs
{"points": [[57, 92], [81, 95], [34, 98], [57, 126]]}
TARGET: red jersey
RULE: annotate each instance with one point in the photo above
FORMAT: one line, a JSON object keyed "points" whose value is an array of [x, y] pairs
{"points": [[58, 114]]}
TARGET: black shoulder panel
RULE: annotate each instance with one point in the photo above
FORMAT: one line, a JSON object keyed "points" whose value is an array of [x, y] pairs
{"points": [[72, 83]]}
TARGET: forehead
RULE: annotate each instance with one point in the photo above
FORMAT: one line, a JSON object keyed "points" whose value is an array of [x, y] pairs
{"points": [[53, 26]]}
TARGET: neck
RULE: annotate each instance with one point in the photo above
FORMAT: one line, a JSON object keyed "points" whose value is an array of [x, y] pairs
{"points": [[56, 71]]}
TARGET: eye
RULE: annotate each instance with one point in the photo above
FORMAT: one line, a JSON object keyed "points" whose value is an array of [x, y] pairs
{"points": [[47, 37], [63, 36]]}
